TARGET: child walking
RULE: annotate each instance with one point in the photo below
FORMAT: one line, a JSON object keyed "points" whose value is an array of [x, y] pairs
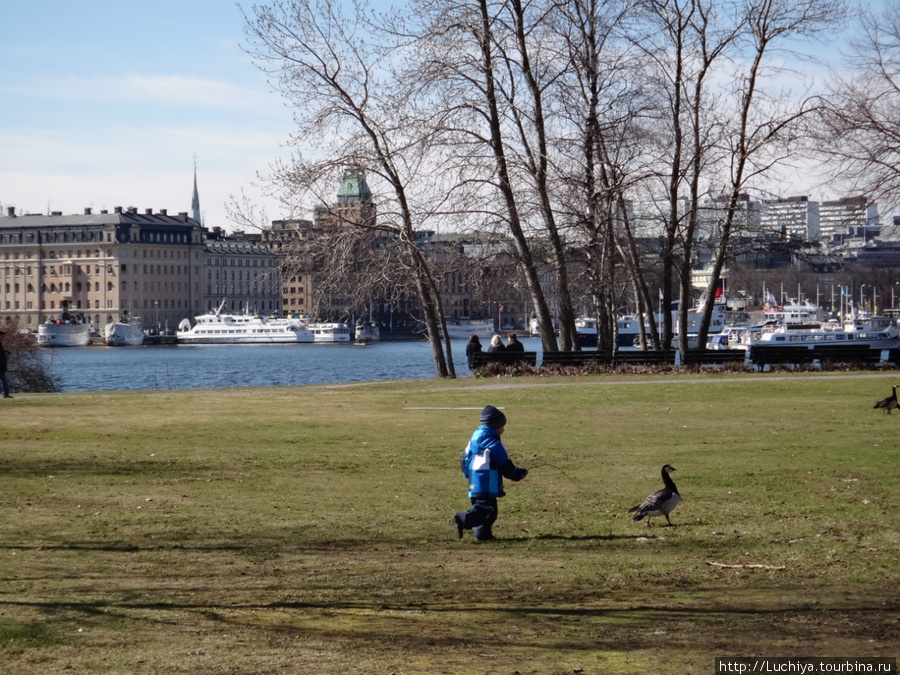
{"points": [[485, 463]]}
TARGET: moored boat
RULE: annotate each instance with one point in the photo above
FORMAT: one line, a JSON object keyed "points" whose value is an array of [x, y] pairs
{"points": [[792, 312], [586, 328], [127, 332], [152, 336], [628, 327], [366, 332], [71, 329], [876, 333], [329, 331], [463, 328], [219, 328]]}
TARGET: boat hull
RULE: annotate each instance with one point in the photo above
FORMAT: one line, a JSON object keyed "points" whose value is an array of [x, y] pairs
{"points": [[586, 329], [123, 335], [330, 333], [877, 333], [366, 333], [463, 329], [64, 335]]}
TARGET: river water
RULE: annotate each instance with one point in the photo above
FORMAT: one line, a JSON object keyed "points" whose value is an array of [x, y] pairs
{"points": [[100, 368]]}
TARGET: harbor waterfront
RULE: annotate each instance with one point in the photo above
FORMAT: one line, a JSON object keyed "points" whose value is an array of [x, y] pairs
{"points": [[212, 366]]}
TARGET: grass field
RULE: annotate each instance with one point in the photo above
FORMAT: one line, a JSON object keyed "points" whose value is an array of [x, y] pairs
{"points": [[307, 530]]}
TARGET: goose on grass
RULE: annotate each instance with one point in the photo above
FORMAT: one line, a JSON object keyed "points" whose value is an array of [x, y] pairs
{"points": [[661, 502], [889, 403]]}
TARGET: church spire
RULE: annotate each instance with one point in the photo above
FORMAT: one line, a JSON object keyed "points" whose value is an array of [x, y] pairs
{"points": [[195, 201]]}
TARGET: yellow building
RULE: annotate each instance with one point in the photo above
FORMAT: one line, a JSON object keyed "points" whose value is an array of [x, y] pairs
{"points": [[149, 264]]}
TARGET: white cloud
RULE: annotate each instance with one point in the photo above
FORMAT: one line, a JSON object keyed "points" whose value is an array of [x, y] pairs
{"points": [[152, 90]]}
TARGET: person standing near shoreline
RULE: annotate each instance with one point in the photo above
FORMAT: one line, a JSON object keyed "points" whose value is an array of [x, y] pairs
{"points": [[4, 382], [473, 347]]}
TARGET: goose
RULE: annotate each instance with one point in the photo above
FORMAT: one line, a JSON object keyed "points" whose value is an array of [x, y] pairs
{"points": [[660, 503], [889, 403]]}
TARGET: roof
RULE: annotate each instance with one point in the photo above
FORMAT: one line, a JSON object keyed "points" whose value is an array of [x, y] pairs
{"points": [[118, 216]]}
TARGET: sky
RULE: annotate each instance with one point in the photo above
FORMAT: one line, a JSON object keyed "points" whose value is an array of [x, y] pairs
{"points": [[107, 104]]}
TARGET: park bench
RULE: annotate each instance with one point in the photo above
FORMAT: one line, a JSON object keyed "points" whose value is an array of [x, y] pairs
{"points": [[852, 354], [709, 357], [482, 359], [646, 358], [770, 355], [585, 357]]}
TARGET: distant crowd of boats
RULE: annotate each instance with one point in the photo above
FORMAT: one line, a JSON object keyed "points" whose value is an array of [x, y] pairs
{"points": [[72, 329], [794, 324]]}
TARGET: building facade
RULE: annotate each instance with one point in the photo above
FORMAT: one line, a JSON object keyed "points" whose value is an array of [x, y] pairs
{"points": [[848, 218], [102, 264], [285, 239], [794, 218], [240, 275]]}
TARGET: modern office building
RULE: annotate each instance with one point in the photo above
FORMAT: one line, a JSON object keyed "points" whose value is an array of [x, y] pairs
{"points": [[793, 218], [848, 218]]}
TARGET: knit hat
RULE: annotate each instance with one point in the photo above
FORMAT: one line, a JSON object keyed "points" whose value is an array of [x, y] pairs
{"points": [[492, 417]]}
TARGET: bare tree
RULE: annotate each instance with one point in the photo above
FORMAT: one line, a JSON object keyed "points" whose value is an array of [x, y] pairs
{"points": [[353, 106], [601, 148], [685, 39], [765, 127], [459, 46], [859, 136]]}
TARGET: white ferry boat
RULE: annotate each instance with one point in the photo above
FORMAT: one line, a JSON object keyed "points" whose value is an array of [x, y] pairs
{"points": [[128, 332], [218, 328], [792, 312], [329, 332], [462, 329], [875, 333], [69, 330]]}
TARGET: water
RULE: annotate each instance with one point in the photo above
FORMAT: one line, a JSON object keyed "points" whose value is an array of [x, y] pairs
{"points": [[211, 366]]}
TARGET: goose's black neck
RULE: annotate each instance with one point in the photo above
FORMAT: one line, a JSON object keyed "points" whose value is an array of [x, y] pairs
{"points": [[668, 482]]}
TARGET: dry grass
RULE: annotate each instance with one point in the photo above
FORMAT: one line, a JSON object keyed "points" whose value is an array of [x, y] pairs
{"points": [[307, 529]]}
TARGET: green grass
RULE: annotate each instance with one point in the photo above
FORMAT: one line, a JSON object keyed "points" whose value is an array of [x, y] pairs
{"points": [[308, 529]]}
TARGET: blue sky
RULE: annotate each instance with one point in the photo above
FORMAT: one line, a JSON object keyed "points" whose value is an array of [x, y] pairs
{"points": [[106, 103]]}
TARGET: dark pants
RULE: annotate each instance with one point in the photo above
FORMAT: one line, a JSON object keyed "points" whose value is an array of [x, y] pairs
{"points": [[481, 517], [4, 385]]}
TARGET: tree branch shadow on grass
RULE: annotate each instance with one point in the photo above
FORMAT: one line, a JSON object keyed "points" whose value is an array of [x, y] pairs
{"points": [[420, 627], [572, 537]]}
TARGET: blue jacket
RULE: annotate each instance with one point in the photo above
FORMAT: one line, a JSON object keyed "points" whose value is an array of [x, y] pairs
{"points": [[485, 463]]}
